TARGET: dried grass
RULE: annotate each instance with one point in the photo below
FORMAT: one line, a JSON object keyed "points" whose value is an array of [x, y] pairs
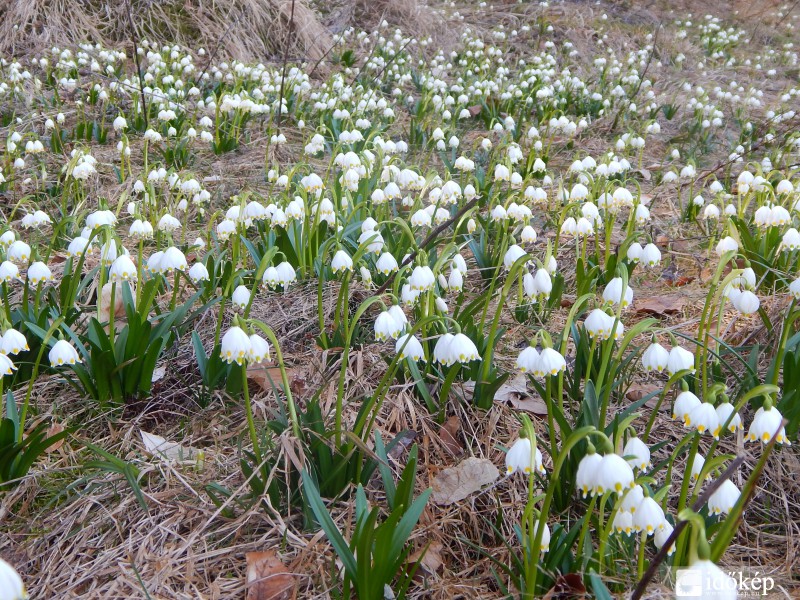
{"points": [[254, 30]]}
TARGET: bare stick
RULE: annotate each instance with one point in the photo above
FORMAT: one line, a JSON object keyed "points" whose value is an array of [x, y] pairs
{"points": [[681, 525]]}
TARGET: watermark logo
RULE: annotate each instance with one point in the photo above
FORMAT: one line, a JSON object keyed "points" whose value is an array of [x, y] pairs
{"points": [[692, 582]]}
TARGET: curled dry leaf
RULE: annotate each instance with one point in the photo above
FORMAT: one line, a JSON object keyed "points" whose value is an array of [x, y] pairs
{"points": [[567, 587], [429, 559], [55, 429], [268, 578], [155, 445], [515, 393], [269, 378], [448, 434], [456, 483]]}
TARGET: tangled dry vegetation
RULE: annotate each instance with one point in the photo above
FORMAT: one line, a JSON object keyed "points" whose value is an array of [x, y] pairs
{"points": [[74, 528]]}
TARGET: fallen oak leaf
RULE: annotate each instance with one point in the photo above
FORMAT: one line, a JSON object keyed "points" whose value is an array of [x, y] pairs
{"points": [[268, 578], [456, 483]]}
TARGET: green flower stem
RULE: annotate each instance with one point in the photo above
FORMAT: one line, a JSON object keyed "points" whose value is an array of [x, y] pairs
{"points": [[791, 317], [267, 331], [604, 527], [23, 413], [576, 436], [640, 561], [701, 358], [248, 409]]}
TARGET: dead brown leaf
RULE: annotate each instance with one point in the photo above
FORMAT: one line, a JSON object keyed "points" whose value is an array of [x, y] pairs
{"points": [[664, 304], [55, 429], [448, 434], [637, 391], [269, 378], [515, 393], [268, 578], [567, 587], [431, 561], [456, 483]]}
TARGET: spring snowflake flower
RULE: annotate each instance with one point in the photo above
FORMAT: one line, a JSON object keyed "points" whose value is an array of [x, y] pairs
{"points": [[341, 262], [528, 235], [632, 499], [790, 240], [512, 255], [550, 363], [198, 272], [386, 326], [634, 252], [285, 274], [101, 218], [649, 517], [240, 297], [639, 454], [714, 581], [386, 264], [613, 474], [123, 269], [586, 477], [259, 350], [11, 586], [501, 173], [704, 419], [696, 467], [38, 273], [723, 500], [518, 458], [235, 346], [599, 325], [623, 523], [13, 342], [685, 403], [655, 358], [63, 353], [662, 535], [8, 271], [746, 302], [455, 281], [172, 260], [422, 279], [527, 360], [651, 255], [7, 367], [766, 423], [141, 230], [441, 351], [680, 359], [18, 252], [724, 412], [613, 293], [408, 346], [569, 227], [727, 244], [461, 349]]}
